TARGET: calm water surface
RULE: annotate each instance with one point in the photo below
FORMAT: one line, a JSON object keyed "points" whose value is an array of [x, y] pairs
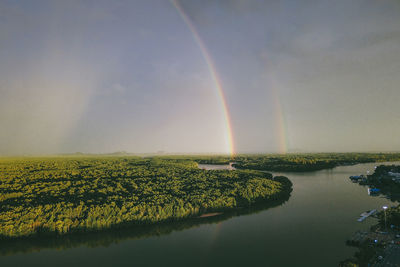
{"points": [[308, 230]]}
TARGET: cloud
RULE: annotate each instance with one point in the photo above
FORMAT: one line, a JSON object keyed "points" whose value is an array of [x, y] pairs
{"points": [[40, 107], [118, 88]]}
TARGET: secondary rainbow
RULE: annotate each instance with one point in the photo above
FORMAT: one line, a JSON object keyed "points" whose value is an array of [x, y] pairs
{"points": [[214, 75], [281, 127]]}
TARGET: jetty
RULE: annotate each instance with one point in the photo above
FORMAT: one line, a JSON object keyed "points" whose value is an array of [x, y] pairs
{"points": [[365, 215]]}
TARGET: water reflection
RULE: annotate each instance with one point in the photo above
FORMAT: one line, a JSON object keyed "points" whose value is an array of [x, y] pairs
{"points": [[217, 166], [106, 238], [310, 229]]}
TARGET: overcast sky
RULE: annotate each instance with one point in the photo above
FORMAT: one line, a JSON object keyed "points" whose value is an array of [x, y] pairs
{"points": [[105, 76]]}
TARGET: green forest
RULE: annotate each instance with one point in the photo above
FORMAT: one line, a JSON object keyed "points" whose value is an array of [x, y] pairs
{"points": [[84, 193], [289, 162], [309, 162], [60, 195], [112, 236]]}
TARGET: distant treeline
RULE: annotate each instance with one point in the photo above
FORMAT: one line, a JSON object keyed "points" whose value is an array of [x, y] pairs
{"points": [[309, 162], [290, 162], [78, 194], [201, 159]]}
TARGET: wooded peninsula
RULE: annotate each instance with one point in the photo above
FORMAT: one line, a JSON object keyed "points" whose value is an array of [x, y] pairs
{"points": [[84, 193], [60, 195]]}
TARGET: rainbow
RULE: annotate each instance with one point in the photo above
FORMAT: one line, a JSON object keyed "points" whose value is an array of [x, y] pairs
{"points": [[217, 82], [281, 127], [216, 232]]}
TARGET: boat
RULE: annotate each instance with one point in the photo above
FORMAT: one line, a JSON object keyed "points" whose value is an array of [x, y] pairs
{"points": [[357, 178], [373, 191]]}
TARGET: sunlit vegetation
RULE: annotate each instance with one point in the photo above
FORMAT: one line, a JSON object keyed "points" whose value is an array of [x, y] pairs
{"points": [[78, 194], [110, 236]]}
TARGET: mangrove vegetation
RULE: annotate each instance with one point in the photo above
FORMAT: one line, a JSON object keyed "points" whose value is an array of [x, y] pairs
{"points": [[62, 195]]}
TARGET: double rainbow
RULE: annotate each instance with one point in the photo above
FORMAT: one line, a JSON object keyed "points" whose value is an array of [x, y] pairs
{"points": [[280, 116], [217, 82]]}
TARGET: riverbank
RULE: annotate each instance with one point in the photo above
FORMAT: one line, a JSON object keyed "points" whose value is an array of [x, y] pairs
{"points": [[377, 247], [115, 235], [381, 245], [319, 216]]}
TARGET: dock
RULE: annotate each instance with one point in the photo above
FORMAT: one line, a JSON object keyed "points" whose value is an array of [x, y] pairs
{"points": [[365, 215]]}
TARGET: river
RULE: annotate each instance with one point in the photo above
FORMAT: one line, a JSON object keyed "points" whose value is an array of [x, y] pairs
{"points": [[310, 229]]}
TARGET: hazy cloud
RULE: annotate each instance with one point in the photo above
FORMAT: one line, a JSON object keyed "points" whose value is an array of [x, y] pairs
{"points": [[100, 76]]}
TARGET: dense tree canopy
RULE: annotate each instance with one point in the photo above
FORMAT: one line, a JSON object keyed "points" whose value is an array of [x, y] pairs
{"points": [[70, 194]]}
